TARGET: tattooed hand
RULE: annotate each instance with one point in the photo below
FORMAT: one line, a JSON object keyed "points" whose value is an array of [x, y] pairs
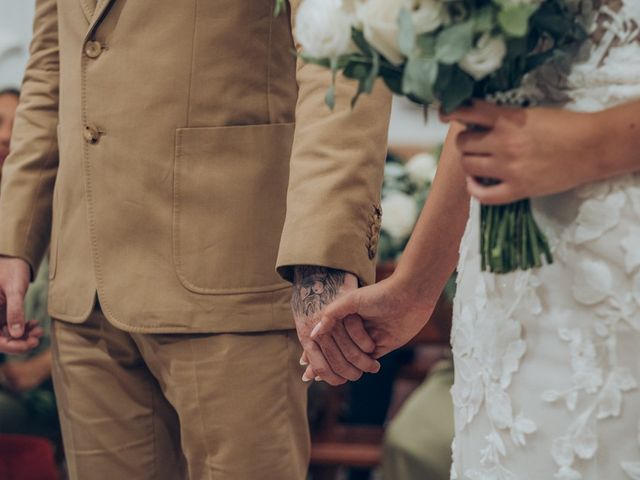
{"points": [[315, 288]]}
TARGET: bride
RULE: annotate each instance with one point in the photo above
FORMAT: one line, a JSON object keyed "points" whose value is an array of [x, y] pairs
{"points": [[547, 382]]}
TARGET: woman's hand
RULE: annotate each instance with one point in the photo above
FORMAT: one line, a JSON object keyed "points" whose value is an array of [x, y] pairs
{"points": [[26, 375], [392, 316], [531, 151]]}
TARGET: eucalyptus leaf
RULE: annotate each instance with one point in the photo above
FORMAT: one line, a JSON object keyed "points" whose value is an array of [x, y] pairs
{"points": [[514, 19], [456, 91], [426, 45], [357, 70], [419, 77], [330, 97], [453, 43], [393, 80], [358, 38], [366, 83], [406, 34], [484, 19]]}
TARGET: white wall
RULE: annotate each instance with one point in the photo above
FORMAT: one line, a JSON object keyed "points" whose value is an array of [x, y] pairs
{"points": [[409, 129], [15, 31]]}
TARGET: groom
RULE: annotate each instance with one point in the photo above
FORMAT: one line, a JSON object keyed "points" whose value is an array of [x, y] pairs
{"points": [[172, 151]]}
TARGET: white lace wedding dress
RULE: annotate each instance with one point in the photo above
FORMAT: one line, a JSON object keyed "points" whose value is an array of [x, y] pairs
{"points": [[547, 382]]}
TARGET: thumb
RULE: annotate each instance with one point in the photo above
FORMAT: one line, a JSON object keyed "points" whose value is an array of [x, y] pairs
{"points": [[15, 314], [335, 312]]}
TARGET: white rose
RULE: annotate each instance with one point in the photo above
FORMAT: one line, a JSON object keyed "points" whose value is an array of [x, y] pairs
{"points": [[485, 58], [422, 168], [394, 170], [400, 213], [428, 15], [323, 28], [379, 21]]}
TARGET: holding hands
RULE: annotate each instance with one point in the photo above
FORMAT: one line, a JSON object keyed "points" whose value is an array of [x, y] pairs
{"points": [[390, 314], [530, 152], [16, 336], [347, 354]]}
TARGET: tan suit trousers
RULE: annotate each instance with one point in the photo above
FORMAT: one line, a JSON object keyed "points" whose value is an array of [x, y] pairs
{"points": [[171, 407]]}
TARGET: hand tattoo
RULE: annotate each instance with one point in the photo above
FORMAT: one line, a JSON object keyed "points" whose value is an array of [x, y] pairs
{"points": [[314, 288]]}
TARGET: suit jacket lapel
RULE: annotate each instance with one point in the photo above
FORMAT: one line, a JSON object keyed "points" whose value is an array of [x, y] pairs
{"points": [[88, 8], [102, 6]]}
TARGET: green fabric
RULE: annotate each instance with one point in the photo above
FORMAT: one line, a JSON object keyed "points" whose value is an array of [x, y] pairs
{"points": [[418, 440]]}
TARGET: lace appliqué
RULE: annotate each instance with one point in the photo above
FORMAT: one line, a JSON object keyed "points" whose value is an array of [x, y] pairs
{"points": [[613, 27], [488, 347], [599, 383]]}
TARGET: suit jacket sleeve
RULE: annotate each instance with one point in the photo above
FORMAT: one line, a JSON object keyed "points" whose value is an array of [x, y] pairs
{"points": [[337, 164], [29, 172]]}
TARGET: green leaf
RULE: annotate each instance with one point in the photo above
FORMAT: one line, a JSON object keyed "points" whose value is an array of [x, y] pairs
{"points": [[358, 38], [426, 44], [357, 70], [454, 42], [366, 83], [280, 7], [393, 81], [483, 20], [419, 77], [514, 19], [330, 97], [454, 89], [517, 47], [407, 34]]}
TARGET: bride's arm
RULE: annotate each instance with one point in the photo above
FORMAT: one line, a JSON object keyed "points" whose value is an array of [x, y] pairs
{"points": [[396, 309], [619, 130], [432, 252]]}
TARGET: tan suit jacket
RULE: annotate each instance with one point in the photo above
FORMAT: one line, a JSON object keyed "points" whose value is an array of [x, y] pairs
{"points": [[183, 152]]}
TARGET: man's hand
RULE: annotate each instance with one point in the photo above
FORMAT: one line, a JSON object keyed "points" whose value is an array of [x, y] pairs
{"points": [[391, 315], [342, 357], [16, 336]]}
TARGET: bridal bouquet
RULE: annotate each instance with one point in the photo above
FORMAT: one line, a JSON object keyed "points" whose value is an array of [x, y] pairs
{"points": [[446, 52]]}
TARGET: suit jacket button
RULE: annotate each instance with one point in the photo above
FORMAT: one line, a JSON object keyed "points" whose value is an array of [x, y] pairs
{"points": [[91, 134], [92, 49]]}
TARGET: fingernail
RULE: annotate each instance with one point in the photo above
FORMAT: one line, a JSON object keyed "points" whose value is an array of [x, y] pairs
{"points": [[16, 329], [306, 378], [318, 379], [316, 329], [303, 362], [378, 366]]}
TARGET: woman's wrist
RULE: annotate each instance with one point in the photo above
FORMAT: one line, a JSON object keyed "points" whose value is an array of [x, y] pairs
{"points": [[417, 290], [614, 140]]}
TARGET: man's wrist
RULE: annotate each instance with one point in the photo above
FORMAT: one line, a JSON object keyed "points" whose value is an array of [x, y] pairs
{"points": [[315, 287]]}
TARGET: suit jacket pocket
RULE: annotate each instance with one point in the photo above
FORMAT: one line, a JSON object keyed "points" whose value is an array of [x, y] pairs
{"points": [[230, 188]]}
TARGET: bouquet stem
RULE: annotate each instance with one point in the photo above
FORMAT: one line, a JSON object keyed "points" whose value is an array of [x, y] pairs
{"points": [[510, 239]]}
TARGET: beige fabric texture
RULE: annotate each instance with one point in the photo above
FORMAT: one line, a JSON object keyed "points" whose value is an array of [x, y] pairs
{"points": [[132, 403], [174, 152]]}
